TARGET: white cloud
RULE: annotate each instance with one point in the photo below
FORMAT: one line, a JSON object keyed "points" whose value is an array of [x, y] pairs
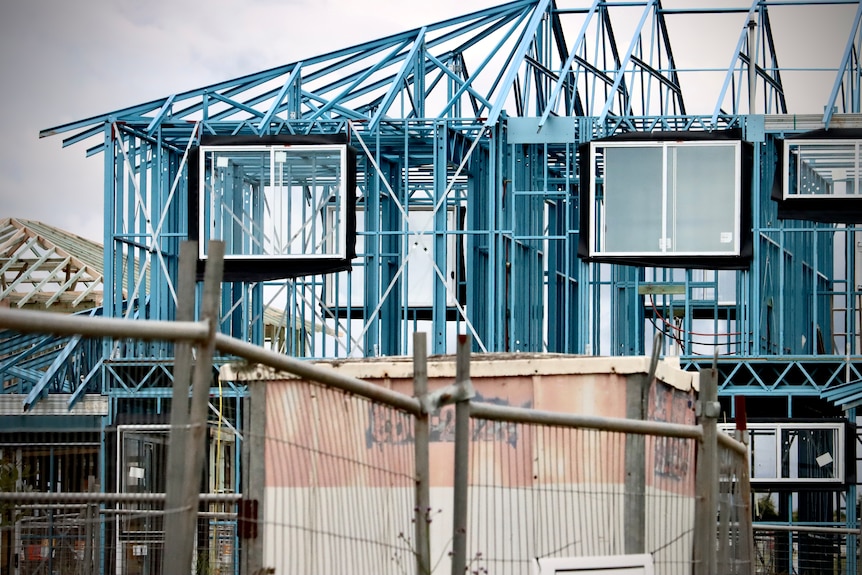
{"points": [[64, 61]]}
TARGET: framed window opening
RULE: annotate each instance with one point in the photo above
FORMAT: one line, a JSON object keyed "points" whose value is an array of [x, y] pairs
{"points": [[792, 453], [272, 202], [667, 199], [817, 176], [284, 206], [419, 273], [655, 199], [821, 169]]}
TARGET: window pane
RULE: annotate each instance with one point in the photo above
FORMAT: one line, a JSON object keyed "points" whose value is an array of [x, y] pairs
{"points": [[702, 199], [808, 453], [632, 199], [763, 450], [274, 202]]}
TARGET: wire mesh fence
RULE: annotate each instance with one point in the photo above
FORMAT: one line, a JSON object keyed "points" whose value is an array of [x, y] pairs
{"points": [[339, 493], [340, 482], [734, 553], [553, 491], [61, 512], [126, 539], [780, 549], [333, 473]]}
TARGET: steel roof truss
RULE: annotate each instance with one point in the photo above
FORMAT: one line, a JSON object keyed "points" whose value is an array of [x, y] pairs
{"points": [[290, 84], [414, 59], [81, 389], [844, 70]]}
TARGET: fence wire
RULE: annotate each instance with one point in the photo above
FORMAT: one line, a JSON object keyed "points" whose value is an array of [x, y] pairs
{"points": [[794, 549], [60, 514], [734, 514], [546, 491], [340, 483]]}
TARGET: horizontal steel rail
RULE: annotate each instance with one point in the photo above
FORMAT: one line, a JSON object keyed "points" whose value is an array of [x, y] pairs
{"points": [[27, 321], [96, 497], [727, 441], [327, 376], [520, 415], [806, 529]]}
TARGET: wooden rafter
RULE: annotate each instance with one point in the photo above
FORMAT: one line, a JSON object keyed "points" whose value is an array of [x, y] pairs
{"points": [[47, 268]]}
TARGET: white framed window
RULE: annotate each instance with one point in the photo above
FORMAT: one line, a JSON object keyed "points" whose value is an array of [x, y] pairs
{"points": [[795, 452], [274, 201], [821, 168], [665, 198]]}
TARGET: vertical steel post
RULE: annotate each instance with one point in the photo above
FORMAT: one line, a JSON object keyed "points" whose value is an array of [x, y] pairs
{"points": [[637, 407], [852, 517], [254, 473], [180, 560], [462, 460], [635, 469], [726, 533], [745, 556], [707, 474], [439, 294], [421, 433], [373, 266], [91, 516], [752, 62], [179, 419]]}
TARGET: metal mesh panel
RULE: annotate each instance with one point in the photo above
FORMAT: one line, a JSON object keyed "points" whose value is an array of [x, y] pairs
{"points": [[545, 491], [734, 513], [340, 484], [60, 514], [777, 550]]}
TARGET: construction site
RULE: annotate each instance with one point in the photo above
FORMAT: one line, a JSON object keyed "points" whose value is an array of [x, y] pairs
{"points": [[554, 286]]}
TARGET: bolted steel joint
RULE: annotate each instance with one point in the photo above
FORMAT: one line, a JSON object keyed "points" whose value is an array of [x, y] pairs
{"points": [[710, 409]]}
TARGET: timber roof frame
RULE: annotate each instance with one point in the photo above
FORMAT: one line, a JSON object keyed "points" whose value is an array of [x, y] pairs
{"points": [[47, 268]]}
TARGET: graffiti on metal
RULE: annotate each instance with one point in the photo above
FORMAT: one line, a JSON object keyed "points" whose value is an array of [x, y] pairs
{"points": [[387, 426], [673, 456]]}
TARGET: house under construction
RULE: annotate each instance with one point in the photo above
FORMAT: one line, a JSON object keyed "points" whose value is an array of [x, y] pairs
{"points": [[544, 175]]}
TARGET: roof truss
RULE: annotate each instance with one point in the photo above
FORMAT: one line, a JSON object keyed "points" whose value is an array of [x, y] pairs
{"points": [[527, 57]]}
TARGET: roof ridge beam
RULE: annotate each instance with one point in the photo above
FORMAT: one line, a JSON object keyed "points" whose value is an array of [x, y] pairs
{"points": [[400, 78], [564, 70], [529, 33], [621, 70]]}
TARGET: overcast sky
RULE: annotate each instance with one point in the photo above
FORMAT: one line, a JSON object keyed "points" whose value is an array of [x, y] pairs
{"points": [[62, 61]]}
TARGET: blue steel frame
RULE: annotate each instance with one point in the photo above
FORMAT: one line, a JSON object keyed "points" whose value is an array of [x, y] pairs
{"points": [[467, 134]]}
